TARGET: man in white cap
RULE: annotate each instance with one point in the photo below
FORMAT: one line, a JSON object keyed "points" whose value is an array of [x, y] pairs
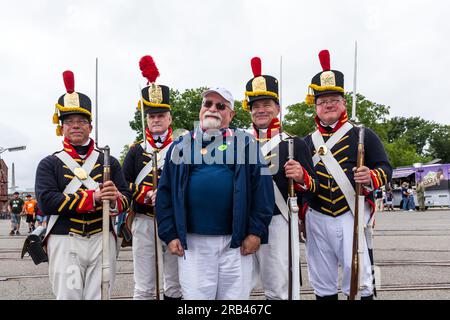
{"points": [[214, 203]]}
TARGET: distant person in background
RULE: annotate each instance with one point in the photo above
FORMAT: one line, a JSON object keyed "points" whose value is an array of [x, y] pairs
{"points": [[379, 200], [420, 189], [389, 200], [15, 207], [410, 203], [405, 195], [29, 209]]}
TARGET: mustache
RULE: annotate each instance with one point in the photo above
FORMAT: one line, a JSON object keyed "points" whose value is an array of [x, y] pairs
{"points": [[213, 114]]}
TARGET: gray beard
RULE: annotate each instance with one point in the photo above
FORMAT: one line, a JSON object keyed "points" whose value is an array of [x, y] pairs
{"points": [[211, 124]]}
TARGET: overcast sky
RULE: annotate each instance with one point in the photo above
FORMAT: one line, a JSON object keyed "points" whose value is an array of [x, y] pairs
{"points": [[403, 57]]}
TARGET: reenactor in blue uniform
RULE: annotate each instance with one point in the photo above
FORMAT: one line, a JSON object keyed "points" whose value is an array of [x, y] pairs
{"points": [[70, 189], [329, 218], [272, 260], [138, 173]]}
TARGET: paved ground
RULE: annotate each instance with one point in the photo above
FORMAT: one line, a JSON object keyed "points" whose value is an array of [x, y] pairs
{"points": [[412, 254]]}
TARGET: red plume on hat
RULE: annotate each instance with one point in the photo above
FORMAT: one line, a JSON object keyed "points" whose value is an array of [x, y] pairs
{"points": [[149, 69], [256, 66], [69, 81], [324, 57]]}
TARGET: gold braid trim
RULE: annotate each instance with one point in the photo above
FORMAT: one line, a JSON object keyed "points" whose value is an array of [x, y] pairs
{"points": [[315, 87], [68, 109], [151, 104], [59, 107], [310, 96], [256, 93]]}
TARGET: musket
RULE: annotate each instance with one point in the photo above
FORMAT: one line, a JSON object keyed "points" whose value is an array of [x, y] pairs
{"points": [[155, 183], [358, 225], [143, 119], [106, 276], [155, 225], [367, 232], [294, 276]]}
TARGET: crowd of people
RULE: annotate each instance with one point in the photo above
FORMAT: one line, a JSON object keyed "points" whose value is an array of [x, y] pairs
{"points": [[412, 198], [28, 209]]}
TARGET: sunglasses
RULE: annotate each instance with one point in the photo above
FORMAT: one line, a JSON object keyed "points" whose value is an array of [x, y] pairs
{"points": [[219, 106]]}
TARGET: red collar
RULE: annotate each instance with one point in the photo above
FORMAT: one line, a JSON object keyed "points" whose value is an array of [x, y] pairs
{"points": [[343, 119], [272, 130], [72, 152], [166, 142]]}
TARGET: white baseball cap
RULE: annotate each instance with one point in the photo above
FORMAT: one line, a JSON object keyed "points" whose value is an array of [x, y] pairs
{"points": [[223, 92]]}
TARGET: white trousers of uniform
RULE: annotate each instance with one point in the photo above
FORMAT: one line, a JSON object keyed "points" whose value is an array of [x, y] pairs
{"points": [[144, 262], [329, 244], [75, 266], [271, 261], [211, 270]]}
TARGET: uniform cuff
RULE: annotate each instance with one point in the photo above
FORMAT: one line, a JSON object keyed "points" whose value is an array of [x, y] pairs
{"points": [[87, 202], [140, 198]]}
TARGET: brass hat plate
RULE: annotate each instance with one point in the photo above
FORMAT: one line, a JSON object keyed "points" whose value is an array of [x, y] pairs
{"points": [[327, 78], [155, 93], [80, 173], [71, 100], [259, 84]]}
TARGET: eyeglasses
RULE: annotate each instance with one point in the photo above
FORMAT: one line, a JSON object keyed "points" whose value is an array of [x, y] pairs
{"points": [[220, 106], [71, 123], [325, 102]]}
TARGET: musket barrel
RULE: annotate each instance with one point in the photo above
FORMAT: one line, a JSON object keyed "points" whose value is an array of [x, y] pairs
{"points": [[354, 278], [105, 231], [155, 225]]}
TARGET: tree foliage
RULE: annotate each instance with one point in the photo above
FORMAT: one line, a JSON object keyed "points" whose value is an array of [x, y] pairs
{"points": [[406, 140], [440, 143]]}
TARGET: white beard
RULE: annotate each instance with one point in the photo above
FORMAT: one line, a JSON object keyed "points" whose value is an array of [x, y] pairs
{"points": [[211, 123]]}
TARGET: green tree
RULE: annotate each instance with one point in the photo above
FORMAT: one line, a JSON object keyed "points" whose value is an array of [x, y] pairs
{"points": [[185, 111], [440, 143], [300, 117], [242, 118], [415, 130], [371, 114], [401, 153], [123, 153]]}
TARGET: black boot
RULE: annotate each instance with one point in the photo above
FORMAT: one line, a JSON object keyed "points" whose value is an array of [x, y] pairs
{"points": [[331, 297], [170, 298]]}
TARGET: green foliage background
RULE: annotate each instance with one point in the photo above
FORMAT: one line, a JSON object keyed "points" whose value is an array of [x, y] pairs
{"points": [[407, 139]]}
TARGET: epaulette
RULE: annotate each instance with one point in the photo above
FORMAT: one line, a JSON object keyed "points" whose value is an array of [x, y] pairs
{"points": [[136, 143]]}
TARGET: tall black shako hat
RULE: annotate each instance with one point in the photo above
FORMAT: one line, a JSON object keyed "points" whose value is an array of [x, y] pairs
{"points": [[260, 86], [71, 102], [325, 82], [156, 98]]}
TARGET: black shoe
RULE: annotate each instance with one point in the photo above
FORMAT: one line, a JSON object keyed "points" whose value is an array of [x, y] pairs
{"points": [[17, 233], [12, 233], [170, 298], [368, 297]]}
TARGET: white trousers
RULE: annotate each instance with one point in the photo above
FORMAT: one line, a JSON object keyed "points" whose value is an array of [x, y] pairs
{"points": [[144, 262], [329, 245], [271, 261], [75, 266], [212, 270]]}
